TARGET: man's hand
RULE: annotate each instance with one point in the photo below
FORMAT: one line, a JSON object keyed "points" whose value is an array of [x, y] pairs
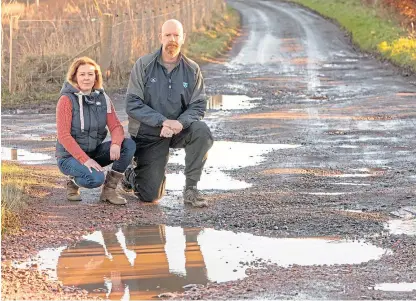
{"points": [[166, 132], [174, 125], [114, 152], [90, 163]]}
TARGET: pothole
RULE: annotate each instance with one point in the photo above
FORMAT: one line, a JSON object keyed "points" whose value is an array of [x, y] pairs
{"points": [[24, 156], [231, 102], [351, 184], [141, 262], [398, 227], [396, 287], [223, 156]]}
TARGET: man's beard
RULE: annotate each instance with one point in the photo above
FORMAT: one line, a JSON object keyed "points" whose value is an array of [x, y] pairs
{"points": [[172, 48]]}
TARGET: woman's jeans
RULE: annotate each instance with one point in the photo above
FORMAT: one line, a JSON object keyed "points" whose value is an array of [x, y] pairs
{"points": [[83, 177]]}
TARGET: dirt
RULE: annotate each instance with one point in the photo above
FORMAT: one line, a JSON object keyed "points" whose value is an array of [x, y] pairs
{"points": [[349, 113]]}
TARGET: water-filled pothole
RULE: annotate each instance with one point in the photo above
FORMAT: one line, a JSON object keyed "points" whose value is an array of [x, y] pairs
{"points": [[142, 262], [24, 156], [224, 155], [396, 287], [398, 227], [231, 102]]}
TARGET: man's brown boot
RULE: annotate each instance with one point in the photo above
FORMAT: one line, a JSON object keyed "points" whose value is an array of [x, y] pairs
{"points": [[192, 196], [72, 191], [109, 193]]}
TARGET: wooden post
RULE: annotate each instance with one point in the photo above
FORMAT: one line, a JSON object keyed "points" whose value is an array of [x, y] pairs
{"points": [[143, 40], [14, 52], [106, 31], [13, 153], [191, 16], [121, 39]]}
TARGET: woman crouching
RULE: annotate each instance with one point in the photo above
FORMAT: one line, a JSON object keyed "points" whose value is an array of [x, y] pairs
{"points": [[83, 112]]}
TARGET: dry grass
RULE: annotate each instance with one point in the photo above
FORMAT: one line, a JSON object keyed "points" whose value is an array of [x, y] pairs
{"points": [[207, 44], [12, 197], [19, 184], [50, 36]]}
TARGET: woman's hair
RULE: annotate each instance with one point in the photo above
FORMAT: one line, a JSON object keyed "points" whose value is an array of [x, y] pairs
{"points": [[71, 76]]}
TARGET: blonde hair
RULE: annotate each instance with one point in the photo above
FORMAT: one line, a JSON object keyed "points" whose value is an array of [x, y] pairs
{"points": [[71, 76]]}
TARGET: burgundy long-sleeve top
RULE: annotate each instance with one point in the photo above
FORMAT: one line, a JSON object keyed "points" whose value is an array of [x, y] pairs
{"points": [[63, 125]]}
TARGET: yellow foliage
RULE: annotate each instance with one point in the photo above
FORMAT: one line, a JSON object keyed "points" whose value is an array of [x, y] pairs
{"points": [[399, 47]]}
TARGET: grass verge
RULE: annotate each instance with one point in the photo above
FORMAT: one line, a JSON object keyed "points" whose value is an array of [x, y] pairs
{"points": [[12, 197], [207, 44], [370, 31], [20, 183]]}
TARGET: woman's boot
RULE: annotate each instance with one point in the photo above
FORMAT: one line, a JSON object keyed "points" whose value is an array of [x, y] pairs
{"points": [[72, 190], [109, 193]]}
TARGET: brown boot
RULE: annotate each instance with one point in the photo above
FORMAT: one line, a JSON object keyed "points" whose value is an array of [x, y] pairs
{"points": [[72, 191], [192, 196], [109, 193]]}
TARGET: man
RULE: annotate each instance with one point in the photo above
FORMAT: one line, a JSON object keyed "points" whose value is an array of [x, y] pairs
{"points": [[165, 103]]}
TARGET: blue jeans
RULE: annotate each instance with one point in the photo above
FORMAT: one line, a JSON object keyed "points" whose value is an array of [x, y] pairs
{"points": [[83, 177]]}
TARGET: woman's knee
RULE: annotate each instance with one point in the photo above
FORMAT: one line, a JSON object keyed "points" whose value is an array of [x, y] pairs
{"points": [[94, 180], [129, 146]]}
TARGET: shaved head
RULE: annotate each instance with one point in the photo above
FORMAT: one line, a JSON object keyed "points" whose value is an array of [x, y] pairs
{"points": [[172, 23], [172, 38]]}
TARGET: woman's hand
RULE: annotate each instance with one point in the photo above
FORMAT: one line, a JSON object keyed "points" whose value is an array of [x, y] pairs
{"points": [[114, 152], [90, 163]]}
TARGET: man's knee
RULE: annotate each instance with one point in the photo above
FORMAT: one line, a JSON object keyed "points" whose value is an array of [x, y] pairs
{"points": [[200, 129], [150, 192], [147, 196]]}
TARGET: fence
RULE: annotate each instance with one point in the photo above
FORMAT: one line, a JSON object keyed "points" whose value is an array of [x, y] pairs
{"points": [[36, 53]]}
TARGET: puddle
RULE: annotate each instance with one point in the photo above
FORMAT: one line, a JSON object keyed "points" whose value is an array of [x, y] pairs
{"points": [[407, 213], [143, 262], [223, 156], [396, 287], [211, 180], [353, 175], [46, 260], [397, 227], [351, 184], [231, 102], [227, 155], [326, 193], [24, 156], [346, 146]]}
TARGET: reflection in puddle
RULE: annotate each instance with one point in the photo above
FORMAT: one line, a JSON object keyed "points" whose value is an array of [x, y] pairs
{"points": [[142, 262], [23, 156], [396, 287], [231, 102], [397, 227], [46, 260]]}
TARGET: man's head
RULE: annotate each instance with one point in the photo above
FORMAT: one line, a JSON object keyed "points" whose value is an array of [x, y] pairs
{"points": [[172, 37]]}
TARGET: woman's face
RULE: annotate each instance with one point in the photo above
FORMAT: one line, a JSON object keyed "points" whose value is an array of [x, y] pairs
{"points": [[85, 77]]}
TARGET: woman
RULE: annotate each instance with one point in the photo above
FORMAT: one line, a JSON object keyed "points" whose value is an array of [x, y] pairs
{"points": [[82, 114]]}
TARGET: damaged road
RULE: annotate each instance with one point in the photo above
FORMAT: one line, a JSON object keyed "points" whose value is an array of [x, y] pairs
{"points": [[314, 143]]}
